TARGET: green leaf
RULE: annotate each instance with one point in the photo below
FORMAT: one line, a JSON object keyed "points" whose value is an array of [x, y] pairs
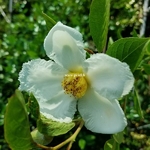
{"points": [[111, 144], [147, 49], [137, 104], [137, 73], [118, 137], [53, 128], [147, 68], [98, 22], [49, 21], [16, 124], [129, 50], [34, 107]]}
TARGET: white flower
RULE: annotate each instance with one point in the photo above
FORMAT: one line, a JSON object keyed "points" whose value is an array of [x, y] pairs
{"points": [[93, 85]]}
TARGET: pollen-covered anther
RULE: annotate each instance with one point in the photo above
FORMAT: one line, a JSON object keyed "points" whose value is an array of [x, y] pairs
{"points": [[75, 84]]}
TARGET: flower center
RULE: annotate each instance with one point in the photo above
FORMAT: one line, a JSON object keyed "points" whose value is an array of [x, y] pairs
{"points": [[75, 84]]}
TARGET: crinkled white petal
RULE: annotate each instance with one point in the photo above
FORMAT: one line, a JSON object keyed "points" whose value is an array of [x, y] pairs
{"points": [[100, 114], [42, 78], [61, 107], [108, 76], [64, 45]]}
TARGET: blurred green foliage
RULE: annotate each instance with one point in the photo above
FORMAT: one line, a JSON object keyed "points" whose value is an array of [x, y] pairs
{"points": [[22, 32]]}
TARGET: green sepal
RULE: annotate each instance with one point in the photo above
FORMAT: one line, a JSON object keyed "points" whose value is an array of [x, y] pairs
{"points": [[40, 138], [16, 124], [53, 128], [98, 22], [49, 21], [129, 50], [34, 106]]}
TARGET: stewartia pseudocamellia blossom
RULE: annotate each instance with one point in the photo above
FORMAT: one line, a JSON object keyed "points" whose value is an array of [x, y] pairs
{"points": [[71, 82]]}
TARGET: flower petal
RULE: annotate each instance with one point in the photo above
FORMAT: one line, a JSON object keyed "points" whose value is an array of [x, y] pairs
{"points": [[108, 76], [64, 45], [60, 108], [42, 78], [101, 115]]}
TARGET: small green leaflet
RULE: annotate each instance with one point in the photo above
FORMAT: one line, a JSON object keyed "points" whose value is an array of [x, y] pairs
{"points": [[82, 144], [49, 21], [137, 104], [16, 124], [53, 128], [98, 22], [129, 50]]}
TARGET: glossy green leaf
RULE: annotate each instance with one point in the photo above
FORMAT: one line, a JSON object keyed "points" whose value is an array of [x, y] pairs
{"points": [[118, 137], [111, 144], [52, 128], [137, 104], [129, 50], [34, 107], [98, 22], [16, 124], [49, 21]]}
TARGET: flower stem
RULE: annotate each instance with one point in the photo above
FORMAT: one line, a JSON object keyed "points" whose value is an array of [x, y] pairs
{"points": [[89, 51], [70, 140], [69, 146], [44, 147]]}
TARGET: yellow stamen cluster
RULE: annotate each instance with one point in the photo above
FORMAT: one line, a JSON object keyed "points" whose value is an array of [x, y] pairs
{"points": [[75, 84]]}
